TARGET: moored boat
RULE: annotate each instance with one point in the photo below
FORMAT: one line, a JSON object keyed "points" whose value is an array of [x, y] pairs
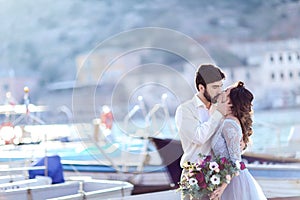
{"points": [[81, 189], [45, 180], [253, 157]]}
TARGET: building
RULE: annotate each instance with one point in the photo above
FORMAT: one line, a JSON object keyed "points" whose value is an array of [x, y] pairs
{"points": [[272, 72]]}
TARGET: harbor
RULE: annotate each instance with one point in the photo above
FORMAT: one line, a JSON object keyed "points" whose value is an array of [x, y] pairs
{"points": [[85, 151], [89, 92]]}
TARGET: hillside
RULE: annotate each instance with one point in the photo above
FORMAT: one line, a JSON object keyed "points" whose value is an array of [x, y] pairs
{"points": [[43, 37]]}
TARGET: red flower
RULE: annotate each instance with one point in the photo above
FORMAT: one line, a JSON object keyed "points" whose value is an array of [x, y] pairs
{"points": [[207, 158], [221, 167], [224, 160], [243, 166], [202, 185], [200, 177]]}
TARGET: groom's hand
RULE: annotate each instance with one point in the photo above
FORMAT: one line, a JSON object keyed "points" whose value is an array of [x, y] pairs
{"points": [[243, 145], [224, 105]]}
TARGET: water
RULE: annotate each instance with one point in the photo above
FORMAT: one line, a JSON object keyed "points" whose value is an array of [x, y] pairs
{"points": [[272, 128]]}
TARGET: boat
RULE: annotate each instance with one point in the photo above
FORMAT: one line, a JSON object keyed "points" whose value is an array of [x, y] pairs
{"points": [[269, 176], [8, 184], [170, 151], [99, 156], [71, 189], [267, 158], [47, 175], [83, 158], [150, 178]]}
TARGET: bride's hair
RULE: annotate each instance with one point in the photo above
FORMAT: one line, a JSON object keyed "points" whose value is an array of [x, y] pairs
{"points": [[241, 99]]}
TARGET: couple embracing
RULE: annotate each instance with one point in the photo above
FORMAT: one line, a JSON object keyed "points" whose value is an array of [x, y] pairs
{"points": [[218, 123]]}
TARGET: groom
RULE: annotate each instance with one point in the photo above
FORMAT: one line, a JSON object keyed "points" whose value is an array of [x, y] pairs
{"points": [[198, 118]]}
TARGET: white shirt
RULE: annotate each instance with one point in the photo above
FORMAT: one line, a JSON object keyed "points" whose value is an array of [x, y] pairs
{"points": [[195, 127]]}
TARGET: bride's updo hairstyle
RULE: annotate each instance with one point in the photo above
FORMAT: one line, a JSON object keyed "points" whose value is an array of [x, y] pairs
{"points": [[241, 100]]}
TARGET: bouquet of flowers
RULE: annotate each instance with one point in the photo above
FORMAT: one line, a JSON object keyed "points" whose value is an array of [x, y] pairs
{"points": [[206, 175]]}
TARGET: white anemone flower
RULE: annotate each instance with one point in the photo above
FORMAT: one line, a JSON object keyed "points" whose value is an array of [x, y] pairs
{"points": [[193, 181], [215, 180], [228, 178], [238, 164], [214, 166]]}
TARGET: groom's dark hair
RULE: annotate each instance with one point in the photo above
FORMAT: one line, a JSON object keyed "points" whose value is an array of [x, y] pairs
{"points": [[208, 73]]}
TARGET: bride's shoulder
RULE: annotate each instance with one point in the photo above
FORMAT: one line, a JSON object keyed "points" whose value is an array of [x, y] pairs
{"points": [[231, 119]]}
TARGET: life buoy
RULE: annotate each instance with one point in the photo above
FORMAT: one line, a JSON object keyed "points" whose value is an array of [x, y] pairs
{"points": [[6, 124], [6, 132], [107, 119]]}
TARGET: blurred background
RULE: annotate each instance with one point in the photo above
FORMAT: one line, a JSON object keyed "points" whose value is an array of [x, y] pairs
{"points": [[54, 48], [96, 79]]}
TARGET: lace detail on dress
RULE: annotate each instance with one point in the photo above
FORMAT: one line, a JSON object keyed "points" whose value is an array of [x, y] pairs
{"points": [[226, 141]]}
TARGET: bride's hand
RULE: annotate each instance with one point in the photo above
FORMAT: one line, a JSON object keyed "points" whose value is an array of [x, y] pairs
{"points": [[216, 195]]}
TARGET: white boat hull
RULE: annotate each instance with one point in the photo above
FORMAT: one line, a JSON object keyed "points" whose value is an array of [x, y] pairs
{"points": [[29, 183], [87, 189]]}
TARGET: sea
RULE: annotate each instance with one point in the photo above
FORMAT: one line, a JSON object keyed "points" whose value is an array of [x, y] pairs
{"points": [[271, 129]]}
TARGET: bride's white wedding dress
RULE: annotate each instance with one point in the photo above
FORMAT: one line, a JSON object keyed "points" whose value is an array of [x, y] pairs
{"points": [[226, 143]]}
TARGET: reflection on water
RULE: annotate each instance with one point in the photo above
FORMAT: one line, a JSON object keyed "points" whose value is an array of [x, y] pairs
{"points": [[272, 128]]}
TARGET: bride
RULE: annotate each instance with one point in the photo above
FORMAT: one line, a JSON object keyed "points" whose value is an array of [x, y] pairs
{"points": [[226, 143]]}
